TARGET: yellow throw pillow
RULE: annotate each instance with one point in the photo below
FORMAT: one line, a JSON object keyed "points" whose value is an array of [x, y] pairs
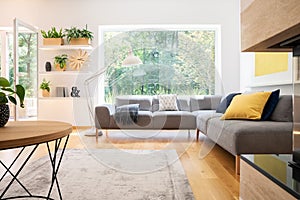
{"points": [[247, 106]]}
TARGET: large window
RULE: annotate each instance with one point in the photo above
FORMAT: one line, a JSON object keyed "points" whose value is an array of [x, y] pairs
{"points": [[179, 61]]}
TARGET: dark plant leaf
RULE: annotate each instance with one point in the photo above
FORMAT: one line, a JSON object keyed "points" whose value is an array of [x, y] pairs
{"points": [[8, 89], [20, 91], [12, 99], [3, 100], [4, 82]]}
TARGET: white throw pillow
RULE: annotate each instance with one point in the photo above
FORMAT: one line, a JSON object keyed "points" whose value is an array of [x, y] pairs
{"points": [[167, 102]]}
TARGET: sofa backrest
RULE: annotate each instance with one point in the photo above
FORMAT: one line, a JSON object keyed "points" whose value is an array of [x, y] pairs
{"points": [[207, 102], [283, 111], [144, 101], [184, 103]]}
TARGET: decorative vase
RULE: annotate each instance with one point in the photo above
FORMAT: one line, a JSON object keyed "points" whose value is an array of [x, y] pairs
{"points": [[45, 93], [4, 114], [48, 66]]}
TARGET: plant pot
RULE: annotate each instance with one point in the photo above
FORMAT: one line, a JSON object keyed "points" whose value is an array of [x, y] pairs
{"points": [[53, 41], [45, 93], [58, 68], [79, 41], [4, 114]]}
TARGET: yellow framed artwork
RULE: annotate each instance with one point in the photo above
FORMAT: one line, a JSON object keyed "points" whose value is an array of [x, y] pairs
{"points": [[271, 69], [270, 63]]}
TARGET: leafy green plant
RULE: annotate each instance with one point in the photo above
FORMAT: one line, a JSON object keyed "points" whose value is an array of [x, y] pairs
{"points": [[6, 93], [75, 32], [61, 60], [45, 85], [52, 33]]}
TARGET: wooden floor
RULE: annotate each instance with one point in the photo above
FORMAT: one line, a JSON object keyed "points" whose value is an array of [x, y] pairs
{"points": [[209, 168]]}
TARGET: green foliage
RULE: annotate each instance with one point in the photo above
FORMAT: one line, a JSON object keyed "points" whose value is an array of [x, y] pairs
{"points": [[27, 62], [45, 85], [52, 33], [6, 93], [61, 60], [180, 62], [75, 32]]}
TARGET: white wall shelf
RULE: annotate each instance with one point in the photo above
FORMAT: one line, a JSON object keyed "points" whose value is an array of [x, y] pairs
{"points": [[59, 73], [68, 109], [66, 47], [59, 98]]}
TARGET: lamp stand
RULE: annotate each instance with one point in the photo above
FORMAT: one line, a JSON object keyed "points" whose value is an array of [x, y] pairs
{"points": [[92, 132]]}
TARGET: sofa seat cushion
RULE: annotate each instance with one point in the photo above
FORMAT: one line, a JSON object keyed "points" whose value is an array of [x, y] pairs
{"points": [[204, 112], [242, 136], [144, 121], [203, 117], [174, 120]]}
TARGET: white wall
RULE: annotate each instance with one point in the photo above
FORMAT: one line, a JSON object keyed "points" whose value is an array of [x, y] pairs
{"points": [[66, 13]]}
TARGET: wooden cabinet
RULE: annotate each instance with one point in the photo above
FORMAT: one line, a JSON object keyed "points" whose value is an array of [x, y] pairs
{"points": [[254, 185], [267, 23]]}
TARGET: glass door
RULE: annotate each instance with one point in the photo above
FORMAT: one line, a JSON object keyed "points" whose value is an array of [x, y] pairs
{"points": [[24, 71]]}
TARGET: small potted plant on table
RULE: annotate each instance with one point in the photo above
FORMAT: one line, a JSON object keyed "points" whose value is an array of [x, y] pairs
{"points": [[60, 62], [76, 36], [45, 86], [53, 37], [7, 94]]}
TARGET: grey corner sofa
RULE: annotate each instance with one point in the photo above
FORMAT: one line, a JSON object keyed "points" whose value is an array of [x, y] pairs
{"points": [[199, 112], [251, 137]]}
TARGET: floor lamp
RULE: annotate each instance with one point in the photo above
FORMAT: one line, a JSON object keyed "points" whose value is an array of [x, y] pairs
{"points": [[130, 60]]}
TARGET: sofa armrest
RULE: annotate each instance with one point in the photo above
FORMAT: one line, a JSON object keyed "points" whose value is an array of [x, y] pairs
{"points": [[103, 114]]}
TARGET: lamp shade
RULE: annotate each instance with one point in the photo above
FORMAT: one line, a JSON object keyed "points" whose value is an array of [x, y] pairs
{"points": [[131, 60]]}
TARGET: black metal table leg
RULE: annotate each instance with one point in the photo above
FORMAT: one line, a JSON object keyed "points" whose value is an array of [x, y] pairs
{"points": [[55, 166], [20, 169], [55, 160]]}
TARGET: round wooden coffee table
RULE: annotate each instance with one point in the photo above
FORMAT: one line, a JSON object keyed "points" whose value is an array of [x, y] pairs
{"points": [[22, 134]]}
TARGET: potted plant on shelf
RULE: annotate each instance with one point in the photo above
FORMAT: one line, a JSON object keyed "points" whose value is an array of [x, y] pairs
{"points": [[7, 94], [45, 86], [53, 37], [76, 36], [60, 62]]}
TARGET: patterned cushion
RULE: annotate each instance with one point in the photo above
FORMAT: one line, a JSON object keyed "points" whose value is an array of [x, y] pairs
{"points": [[167, 102]]}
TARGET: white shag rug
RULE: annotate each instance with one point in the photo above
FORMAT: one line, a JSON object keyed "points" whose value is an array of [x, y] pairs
{"points": [[109, 174]]}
